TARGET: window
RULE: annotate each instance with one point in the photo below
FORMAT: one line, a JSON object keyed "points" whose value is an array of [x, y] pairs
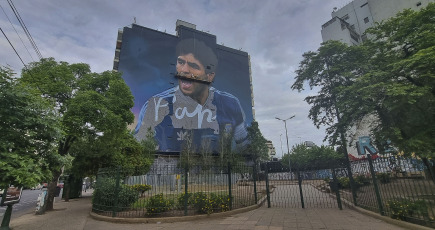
{"points": [[352, 27], [364, 37], [343, 26], [366, 20], [345, 17]]}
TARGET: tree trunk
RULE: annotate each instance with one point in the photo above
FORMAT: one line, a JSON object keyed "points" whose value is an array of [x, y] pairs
{"points": [[52, 185]]}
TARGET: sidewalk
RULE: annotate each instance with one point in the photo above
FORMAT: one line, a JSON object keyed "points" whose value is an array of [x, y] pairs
{"points": [[74, 215]]}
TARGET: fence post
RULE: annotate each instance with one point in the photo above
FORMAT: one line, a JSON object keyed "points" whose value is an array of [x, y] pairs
{"points": [[267, 185], [375, 184], [186, 187], [300, 188], [335, 185], [229, 186], [115, 202], [255, 182]]}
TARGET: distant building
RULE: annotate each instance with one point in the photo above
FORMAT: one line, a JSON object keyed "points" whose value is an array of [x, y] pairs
{"points": [[309, 143], [348, 25], [271, 151]]}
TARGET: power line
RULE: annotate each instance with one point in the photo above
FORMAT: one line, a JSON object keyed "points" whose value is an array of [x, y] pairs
{"points": [[17, 34], [11, 4], [12, 47]]}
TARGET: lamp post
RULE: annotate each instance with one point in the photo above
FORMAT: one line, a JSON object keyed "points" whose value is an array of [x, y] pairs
{"points": [[286, 135]]}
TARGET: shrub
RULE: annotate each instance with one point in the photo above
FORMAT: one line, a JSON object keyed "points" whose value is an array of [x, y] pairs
{"points": [[402, 209], [181, 199], [361, 180], [344, 182], [221, 202], [141, 187], [158, 204], [104, 195], [383, 177], [210, 203]]}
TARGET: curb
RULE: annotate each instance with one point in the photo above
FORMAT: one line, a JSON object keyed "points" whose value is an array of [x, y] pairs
{"points": [[177, 218], [378, 216], [390, 220]]}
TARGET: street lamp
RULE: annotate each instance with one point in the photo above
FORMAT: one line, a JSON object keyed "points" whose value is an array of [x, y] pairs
{"points": [[286, 135]]}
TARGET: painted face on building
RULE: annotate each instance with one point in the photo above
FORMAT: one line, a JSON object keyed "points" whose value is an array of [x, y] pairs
{"points": [[191, 72]]}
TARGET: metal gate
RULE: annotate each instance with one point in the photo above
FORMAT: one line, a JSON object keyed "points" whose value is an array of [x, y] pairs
{"points": [[300, 188]]}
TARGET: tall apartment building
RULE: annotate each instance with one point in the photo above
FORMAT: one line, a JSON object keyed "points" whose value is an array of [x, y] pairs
{"points": [[348, 25], [271, 152]]}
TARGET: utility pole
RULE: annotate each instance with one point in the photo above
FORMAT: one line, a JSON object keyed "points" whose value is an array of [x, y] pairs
{"points": [[286, 135]]}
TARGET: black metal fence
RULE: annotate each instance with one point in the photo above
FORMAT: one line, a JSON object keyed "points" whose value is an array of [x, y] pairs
{"points": [[300, 188], [167, 190], [402, 188]]}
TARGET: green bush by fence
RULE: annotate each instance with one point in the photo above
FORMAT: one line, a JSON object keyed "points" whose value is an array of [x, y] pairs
{"points": [[158, 204], [404, 209], [105, 195]]}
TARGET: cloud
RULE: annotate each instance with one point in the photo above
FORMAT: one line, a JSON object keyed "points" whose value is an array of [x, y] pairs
{"points": [[274, 33]]}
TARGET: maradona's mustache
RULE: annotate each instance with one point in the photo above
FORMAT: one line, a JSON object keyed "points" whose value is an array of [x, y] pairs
{"points": [[190, 77]]}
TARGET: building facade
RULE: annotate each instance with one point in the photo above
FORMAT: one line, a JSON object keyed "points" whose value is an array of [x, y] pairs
{"points": [[349, 23], [271, 152]]}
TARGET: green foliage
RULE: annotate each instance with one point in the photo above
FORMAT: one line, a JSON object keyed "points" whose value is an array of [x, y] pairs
{"points": [[389, 74], [105, 193], [401, 74], [158, 204], [29, 129], [344, 182], [384, 178], [333, 66], [257, 148], [316, 157], [227, 153], [208, 203], [141, 187], [361, 180], [181, 199], [403, 209], [94, 110]]}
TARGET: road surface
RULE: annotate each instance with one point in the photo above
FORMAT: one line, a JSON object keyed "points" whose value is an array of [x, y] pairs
{"points": [[26, 205]]}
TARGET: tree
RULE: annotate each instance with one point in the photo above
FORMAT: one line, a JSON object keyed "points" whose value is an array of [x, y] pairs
{"points": [[314, 158], [93, 107], [188, 151], [257, 148], [389, 77], [333, 67], [29, 128], [399, 87]]}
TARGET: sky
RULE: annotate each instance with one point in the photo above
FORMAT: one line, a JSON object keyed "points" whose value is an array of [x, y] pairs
{"points": [[275, 34]]}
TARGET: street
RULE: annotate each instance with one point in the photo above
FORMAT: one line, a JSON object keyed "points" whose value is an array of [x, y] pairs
{"points": [[26, 205]]}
